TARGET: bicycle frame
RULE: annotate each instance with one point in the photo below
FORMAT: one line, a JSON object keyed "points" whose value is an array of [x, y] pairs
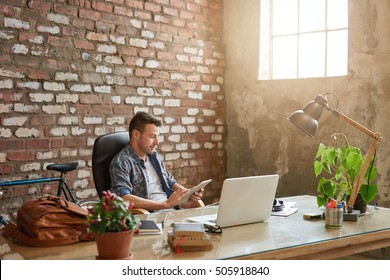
{"points": [[62, 185]]}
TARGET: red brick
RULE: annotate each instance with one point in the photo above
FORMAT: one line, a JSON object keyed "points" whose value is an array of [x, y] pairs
{"points": [[6, 168], [178, 3], [5, 58], [83, 23], [83, 44], [193, 7], [18, 3], [38, 5], [111, 18], [84, 109], [126, 110], [130, 51], [20, 156], [135, 4], [103, 7], [7, 10], [148, 53], [152, 7], [38, 144], [140, 72], [11, 145], [75, 142], [158, 83], [90, 99], [38, 120], [56, 143], [102, 110], [88, 14], [65, 10], [37, 74], [59, 42], [142, 15]]}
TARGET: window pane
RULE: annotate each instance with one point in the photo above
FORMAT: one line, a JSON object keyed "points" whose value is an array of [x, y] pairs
{"points": [[337, 14], [312, 55], [311, 15], [265, 36], [284, 58], [285, 17], [337, 56]]}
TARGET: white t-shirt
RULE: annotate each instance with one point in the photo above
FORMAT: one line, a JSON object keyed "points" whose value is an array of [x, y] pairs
{"points": [[155, 189]]}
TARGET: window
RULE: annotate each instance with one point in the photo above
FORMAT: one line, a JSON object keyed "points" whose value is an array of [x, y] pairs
{"points": [[303, 39]]}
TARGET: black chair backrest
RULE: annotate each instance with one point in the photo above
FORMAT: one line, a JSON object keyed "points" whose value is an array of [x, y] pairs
{"points": [[104, 149]]}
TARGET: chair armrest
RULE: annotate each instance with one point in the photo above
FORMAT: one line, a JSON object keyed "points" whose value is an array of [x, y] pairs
{"points": [[199, 203], [137, 211]]}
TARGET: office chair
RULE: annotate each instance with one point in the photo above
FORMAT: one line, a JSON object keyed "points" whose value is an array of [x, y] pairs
{"points": [[104, 149]]}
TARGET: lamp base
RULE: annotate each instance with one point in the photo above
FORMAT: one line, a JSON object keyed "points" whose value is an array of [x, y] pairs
{"points": [[353, 216]]}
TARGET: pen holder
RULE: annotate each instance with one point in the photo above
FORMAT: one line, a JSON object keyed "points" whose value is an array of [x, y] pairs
{"points": [[333, 218]]}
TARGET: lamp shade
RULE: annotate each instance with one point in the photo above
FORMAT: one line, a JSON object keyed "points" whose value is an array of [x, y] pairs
{"points": [[307, 118], [305, 122]]}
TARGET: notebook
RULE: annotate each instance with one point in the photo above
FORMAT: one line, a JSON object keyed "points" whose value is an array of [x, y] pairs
{"points": [[243, 200]]}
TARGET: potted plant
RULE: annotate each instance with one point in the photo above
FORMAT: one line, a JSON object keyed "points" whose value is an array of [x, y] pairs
{"points": [[112, 224], [340, 167]]}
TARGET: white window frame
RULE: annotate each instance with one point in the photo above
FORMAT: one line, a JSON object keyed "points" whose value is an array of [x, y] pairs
{"points": [[266, 46]]}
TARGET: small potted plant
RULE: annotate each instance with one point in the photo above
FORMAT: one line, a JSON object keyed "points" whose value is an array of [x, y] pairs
{"points": [[112, 224], [340, 167]]}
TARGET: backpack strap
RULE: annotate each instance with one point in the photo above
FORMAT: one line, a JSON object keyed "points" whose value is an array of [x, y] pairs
{"points": [[12, 232]]}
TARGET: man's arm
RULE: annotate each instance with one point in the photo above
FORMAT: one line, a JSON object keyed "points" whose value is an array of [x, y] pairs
{"points": [[152, 205]]}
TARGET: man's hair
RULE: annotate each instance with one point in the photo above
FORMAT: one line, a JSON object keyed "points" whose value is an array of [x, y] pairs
{"points": [[140, 120]]}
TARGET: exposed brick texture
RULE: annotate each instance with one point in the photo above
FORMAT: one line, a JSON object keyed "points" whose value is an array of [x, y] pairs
{"points": [[73, 70]]}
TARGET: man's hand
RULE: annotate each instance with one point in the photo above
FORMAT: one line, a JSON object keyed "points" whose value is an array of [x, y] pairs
{"points": [[197, 195], [176, 196]]}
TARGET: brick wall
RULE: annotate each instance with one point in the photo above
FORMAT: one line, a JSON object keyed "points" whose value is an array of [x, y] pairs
{"points": [[71, 70]]}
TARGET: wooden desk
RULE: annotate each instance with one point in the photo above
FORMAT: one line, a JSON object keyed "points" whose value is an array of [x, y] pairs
{"points": [[278, 238]]}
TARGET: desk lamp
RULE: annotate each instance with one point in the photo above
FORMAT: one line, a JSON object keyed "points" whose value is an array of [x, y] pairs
{"points": [[307, 120]]}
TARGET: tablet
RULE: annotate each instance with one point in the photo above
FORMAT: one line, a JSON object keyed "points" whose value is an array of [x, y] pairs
{"points": [[193, 190]]}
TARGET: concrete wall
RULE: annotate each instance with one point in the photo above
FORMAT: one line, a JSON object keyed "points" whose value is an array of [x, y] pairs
{"points": [[260, 140]]}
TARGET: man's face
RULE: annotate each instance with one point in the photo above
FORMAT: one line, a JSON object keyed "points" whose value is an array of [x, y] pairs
{"points": [[148, 140]]}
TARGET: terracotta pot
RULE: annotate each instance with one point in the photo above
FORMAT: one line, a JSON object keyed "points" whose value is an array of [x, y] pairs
{"points": [[114, 245]]}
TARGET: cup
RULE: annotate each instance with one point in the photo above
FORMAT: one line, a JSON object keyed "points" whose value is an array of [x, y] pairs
{"points": [[333, 218]]}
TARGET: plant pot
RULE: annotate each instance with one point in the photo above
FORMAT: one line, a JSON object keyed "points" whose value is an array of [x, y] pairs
{"points": [[114, 245], [360, 204]]}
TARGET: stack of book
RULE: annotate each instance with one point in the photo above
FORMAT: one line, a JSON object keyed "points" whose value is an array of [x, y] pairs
{"points": [[189, 237]]}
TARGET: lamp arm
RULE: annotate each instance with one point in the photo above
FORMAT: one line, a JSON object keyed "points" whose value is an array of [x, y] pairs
{"points": [[363, 171], [355, 124]]}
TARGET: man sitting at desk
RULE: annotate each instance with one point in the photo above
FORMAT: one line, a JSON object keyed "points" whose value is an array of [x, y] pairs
{"points": [[139, 175]]}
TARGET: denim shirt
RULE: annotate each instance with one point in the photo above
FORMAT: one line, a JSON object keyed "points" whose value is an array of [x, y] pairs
{"points": [[129, 176]]}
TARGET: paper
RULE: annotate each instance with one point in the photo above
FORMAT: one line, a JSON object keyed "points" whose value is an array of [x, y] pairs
{"points": [[287, 210]]}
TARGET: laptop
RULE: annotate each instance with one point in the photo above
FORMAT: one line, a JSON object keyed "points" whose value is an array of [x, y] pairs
{"points": [[243, 200]]}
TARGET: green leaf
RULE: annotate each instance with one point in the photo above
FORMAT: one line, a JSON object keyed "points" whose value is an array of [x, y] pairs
{"points": [[353, 159], [331, 155], [317, 168], [320, 149], [326, 167], [368, 193], [321, 201]]}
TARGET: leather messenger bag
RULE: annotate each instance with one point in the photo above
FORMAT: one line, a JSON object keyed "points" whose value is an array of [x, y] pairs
{"points": [[48, 221]]}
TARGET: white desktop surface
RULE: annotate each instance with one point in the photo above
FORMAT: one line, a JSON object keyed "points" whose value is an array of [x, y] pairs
{"points": [[277, 238]]}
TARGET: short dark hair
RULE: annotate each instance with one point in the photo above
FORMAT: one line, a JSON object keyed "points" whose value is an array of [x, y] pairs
{"points": [[140, 120]]}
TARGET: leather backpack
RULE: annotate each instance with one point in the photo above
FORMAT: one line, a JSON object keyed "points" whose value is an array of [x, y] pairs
{"points": [[48, 221]]}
